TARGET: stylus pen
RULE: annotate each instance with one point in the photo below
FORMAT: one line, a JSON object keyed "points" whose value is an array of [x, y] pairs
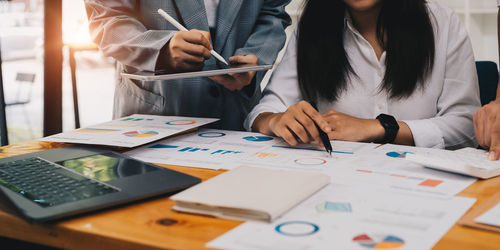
{"points": [[182, 28], [323, 135]]}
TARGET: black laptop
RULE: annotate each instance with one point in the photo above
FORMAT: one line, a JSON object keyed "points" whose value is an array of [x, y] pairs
{"points": [[64, 182]]}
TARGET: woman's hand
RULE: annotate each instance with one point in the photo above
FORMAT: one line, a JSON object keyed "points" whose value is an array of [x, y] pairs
{"points": [[297, 122], [349, 128]]}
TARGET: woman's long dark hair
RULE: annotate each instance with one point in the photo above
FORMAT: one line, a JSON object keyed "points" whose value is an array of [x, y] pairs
{"points": [[404, 30]]}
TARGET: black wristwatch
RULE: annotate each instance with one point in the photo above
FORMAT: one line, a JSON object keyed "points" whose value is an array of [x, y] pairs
{"points": [[391, 127]]}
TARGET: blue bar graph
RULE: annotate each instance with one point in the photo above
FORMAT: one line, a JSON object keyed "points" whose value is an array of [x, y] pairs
{"points": [[223, 152], [185, 149], [196, 149]]}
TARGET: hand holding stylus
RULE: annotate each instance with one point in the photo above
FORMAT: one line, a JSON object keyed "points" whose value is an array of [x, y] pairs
{"points": [[188, 49]]}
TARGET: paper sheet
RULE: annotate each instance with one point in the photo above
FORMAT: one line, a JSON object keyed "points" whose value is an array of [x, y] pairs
{"points": [[343, 217], [130, 131], [216, 149], [385, 168], [369, 165], [491, 217]]}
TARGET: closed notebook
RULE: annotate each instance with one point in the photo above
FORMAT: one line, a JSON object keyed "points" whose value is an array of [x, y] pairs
{"points": [[250, 193]]}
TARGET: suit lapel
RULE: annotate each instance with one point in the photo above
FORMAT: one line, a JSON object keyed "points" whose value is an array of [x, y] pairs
{"points": [[226, 14], [193, 14]]}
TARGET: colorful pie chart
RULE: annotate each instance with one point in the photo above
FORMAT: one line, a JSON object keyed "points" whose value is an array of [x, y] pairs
{"points": [[139, 134], [379, 241]]}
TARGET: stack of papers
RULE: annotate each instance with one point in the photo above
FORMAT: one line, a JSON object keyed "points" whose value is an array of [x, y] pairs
{"points": [[377, 199]]}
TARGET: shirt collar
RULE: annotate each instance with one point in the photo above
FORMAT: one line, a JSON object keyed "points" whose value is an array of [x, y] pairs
{"points": [[348, 25]]}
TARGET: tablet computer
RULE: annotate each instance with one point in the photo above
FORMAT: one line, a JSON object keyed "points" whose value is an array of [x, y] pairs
{"points": [[207, 70]]}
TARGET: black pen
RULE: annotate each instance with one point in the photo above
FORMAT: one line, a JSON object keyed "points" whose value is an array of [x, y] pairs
{"points": [[323, 135]]}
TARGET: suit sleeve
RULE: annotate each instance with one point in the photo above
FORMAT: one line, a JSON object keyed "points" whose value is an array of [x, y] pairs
{"points": [[116, 29], [268, 36]]}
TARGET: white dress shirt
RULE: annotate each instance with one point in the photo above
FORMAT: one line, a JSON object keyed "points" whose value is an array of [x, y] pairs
{"points": [[439, 116], [211, 8]]}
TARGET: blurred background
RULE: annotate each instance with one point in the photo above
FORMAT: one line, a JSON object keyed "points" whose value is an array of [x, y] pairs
{"points": [[22, 54]]}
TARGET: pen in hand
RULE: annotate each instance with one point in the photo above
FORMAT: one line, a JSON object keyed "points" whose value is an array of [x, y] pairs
{"points": [[182, 28], [323, 136]]}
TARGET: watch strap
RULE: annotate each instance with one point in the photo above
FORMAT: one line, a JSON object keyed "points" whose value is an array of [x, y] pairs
{"points": [[391, 128]]}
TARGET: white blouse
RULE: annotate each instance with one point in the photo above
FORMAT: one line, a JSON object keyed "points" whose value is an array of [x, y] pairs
{"points": [[439, 116]]}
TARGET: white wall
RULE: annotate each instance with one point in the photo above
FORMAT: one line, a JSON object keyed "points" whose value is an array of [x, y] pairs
{"points": [[480, 19]]}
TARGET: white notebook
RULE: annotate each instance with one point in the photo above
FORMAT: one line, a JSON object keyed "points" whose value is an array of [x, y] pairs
{"points": [[250, 193]]}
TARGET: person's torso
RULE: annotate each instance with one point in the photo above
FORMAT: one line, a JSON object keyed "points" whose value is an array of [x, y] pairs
{"points": [[364, 90], [199, 97]]}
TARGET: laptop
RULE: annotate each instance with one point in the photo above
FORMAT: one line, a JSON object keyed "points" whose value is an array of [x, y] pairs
{"points": [[207, 70], [59, 183]]}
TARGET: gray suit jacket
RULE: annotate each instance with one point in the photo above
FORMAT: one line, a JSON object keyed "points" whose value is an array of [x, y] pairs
{"points": [[134, 34]]}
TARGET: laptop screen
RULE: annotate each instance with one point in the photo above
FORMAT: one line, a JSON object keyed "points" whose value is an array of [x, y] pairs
{"points": [[106, 167]]}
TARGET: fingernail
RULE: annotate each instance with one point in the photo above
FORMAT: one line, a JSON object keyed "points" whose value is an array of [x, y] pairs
{"points": [[328, 129], [491, 156]]}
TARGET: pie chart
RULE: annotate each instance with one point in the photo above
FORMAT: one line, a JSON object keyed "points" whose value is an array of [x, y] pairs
{"points": [[257, 138], [211, 134], [310, 161], [139, 134], [379, 241], [398, 154], [297, 228], [181, 122]]}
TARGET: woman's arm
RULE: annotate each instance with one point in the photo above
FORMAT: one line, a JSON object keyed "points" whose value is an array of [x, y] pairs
{"points": [[349, 128]]}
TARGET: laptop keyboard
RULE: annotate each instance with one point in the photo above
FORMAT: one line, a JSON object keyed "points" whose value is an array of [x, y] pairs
{"points": [[48, 184]]}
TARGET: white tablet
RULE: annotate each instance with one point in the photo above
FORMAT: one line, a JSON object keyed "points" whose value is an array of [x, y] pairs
{"points": [[207, 70]]}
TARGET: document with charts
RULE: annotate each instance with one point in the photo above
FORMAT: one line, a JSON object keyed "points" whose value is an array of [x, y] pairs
{"points": [[347, 217], [130, 131], [385, 168], [221, 149]]}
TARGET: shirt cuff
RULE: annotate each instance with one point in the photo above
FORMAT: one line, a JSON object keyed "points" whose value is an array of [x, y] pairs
{"points": [[259, 109], [426, 134]]}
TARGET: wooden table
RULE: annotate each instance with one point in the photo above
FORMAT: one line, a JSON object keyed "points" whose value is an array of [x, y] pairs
{"points": [[151, 224]]}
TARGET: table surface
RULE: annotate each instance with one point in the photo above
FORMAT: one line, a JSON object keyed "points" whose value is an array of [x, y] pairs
{"points": [[152, 224]]}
